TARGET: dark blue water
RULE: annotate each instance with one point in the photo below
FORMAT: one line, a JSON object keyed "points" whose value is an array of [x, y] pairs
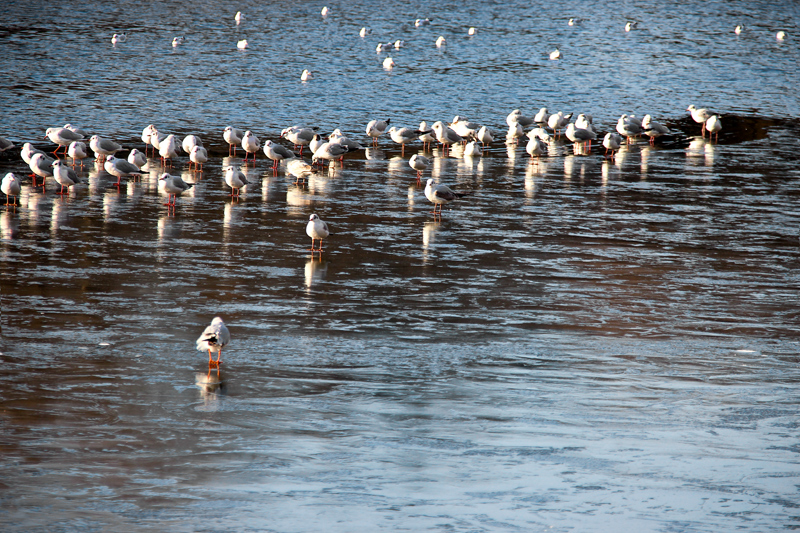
{"points": [[580, 344]]}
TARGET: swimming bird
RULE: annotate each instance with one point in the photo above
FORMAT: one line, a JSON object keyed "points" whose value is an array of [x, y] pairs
{"points": [[421, 22], [738, 29], [612, 141], [388, 63], [174, 186], [103, 147], [364, 31], [700, 116], [472, 31], [10, 187], [555, 54], [198, 156], [235, 179], [317, 229], [535, 147], [399, 43], [250, 144], [177, 41], [239, 17], [440, 195], [653, 129], [630, 25], [440, 42], [516, 116], [233, 137], [135, 157], [305, 75], [242, 44], [419, 163], [214, 338], [77, 151], [64, 175], [376, 128], [189, 142], [382, 47], [118, 38], [325, 11], [713, 125], [63, 137], [781, 35], [484, 135], [299, 136], [120, 168], [276, 152], [402, 136]]}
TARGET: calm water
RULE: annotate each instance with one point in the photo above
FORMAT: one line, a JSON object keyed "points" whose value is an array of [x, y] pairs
{"points": [[581, 344]]}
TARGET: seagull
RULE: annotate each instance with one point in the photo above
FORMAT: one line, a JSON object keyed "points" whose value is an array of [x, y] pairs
{"points": [[700, 116], [555, 54], [584, 121], [276, 152], [146, 133], [558, 121], [713, 125], [421, 22], [77, 151], [120, 168], [317, 229], [298, 168], [580, 135], [398, 44], [738, 29], [428, 137], [571, 22], [541, 117], [10, 187], [103, 147], [364, 31], [464, 127], [5, 144], [177, 41], [781, 35], [28, 151], [239, 18], [515, 131], [325, 11], [64, 175], [472, 31], [445, 134], [338, 137], [233, 137], [440, 42], [214, 338], [376, 128], [612, 141], [137, 158], [41, 166], [251, 144], [198, 156], [473, 149], [440, 195], [168, 148], [517, 116], [388, 63], [315, 143], [653, 129], [485, 136], [189, 142], [630, 25], [382, 47], [235, 180], [402, 136], [419, 163], [242, 45], [330, 151], [539, 133], [118, 38], [535, 147], [155, 139], [306, 75], [628, 128], [298, 135], [63, 137], [174, 186]]}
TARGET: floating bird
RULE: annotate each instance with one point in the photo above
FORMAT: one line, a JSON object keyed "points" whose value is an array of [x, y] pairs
{"points": [[472, 31], [388, 63], [77, 151], [325, 11], [781, 35], [419, 163], [382, 47], [233, 137], [63, 137], [612, 141], [440, 42], [421, 22], [306, 75], [198, 156], [64, 175], [317, 229], [555, 54], [5, 144], [77, 130], [653, 129], [364, 31], [177, 41], [440, 195], [214, 338], [120, 168], [236, 180], [571, 22], [137, 158], [428, 137], [118, 38], [251, 144], [630, 25], [10, 187], [174, 186], [402, 136], [242, 44], [713, 125], [276, 153], [738, 29], [298, 135], [376, 128], [103, 147], [700, 116], [239, 17]]}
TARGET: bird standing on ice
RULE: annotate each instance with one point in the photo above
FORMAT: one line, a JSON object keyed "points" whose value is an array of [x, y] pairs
{"points": [[213, 339]]}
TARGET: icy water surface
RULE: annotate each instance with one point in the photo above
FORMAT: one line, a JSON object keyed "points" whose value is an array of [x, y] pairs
{"points": [[579, 344]]}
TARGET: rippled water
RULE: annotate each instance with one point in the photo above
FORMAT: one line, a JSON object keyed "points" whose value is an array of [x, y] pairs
{"points": [[580, 344]]}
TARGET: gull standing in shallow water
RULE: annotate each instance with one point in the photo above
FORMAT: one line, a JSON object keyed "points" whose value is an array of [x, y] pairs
{"points": [[376, 128], [41, 166], [713, 125], [440, 195], [612, 141], [276, 152], [63, 137], [174, 186], [653, 129], [251, 144], [10, 187], [419, 163], [235, 180], [77, 151], [64, 175], [317, 229], [700, 116], [120, 168], [214, 338], [103, 147], [233, 137]]}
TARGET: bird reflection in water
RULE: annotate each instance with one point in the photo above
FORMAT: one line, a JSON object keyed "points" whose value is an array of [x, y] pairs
{"points": [[316, 270], [211, 386], [9, 225], [429, 230]]}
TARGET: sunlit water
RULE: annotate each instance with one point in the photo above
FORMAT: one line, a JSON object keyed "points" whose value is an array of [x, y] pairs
{"points": [[580, 344]]}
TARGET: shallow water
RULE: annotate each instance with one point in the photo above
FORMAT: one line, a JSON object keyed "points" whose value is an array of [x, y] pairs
{"points": [[580, 344]]}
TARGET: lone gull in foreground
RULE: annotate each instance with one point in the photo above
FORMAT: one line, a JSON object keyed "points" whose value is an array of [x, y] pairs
{"points": [[317, 229], [10, 187], [214, 338], [440, 195]]}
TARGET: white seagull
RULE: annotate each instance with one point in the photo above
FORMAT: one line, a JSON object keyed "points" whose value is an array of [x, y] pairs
{"points": [[63, 137], [103, 147], [713, 125], [317, 229], [612, 141], [419, 163], [305, 75], [388, 63], [376, 128], [700, 116], [174, 186], [516, 116], [276, 152], [242, 44], [214, 338], [440, 42], [120, 168], [77, 151], [653, 129], [137, 158], [555, 54], [298, 135], [445, 134], [250, 144], [189, 142], [233, 137], [402, 136], [236, 180], [440, 195], [535, 147], [198, 156], [64, 175], [10, 187]]}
